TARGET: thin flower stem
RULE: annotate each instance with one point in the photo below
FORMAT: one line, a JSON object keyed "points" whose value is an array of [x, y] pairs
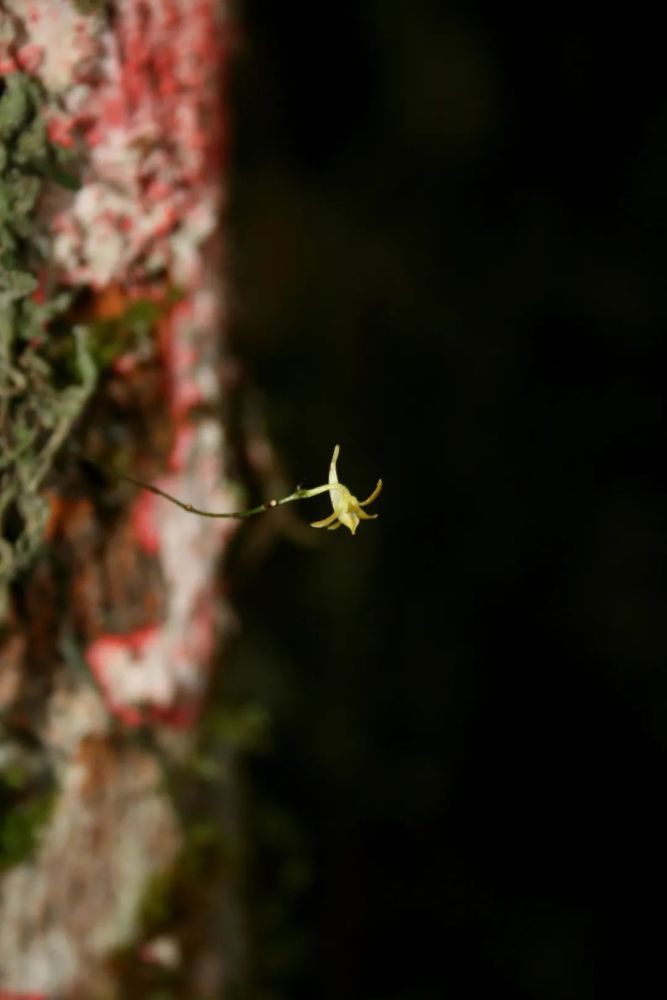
{"points": [[299, 494]]}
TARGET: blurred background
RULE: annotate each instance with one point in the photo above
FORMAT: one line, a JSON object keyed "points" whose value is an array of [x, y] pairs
{"points": [[447, 246]]}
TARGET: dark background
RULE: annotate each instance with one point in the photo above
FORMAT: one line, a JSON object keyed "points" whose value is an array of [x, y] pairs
{"points": [[447, 240]]}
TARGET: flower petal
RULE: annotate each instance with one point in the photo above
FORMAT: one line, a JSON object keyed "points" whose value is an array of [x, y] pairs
{"points": [[376, 492], [333, 473], [325, 522]]}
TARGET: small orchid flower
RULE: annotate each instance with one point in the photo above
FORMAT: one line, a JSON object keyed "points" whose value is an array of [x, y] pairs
{"points": [[346, 508]]}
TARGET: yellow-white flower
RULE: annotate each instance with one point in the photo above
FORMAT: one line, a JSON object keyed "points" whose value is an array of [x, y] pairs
{"points": [[346, 508]]}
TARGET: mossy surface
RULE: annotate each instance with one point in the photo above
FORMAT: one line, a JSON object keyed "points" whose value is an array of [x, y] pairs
{"points": [[39, 398], [91, 6], [20, 828], [27, 797]]}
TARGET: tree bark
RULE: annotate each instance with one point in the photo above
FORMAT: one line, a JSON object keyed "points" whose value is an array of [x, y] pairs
{"points": [[111, 311]]}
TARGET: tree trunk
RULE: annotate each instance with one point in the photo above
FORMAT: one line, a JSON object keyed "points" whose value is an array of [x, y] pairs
{"points": [[110, 357]]}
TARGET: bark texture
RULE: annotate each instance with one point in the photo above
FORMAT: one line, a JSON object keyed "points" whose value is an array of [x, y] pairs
{"points": [[111, 310]]}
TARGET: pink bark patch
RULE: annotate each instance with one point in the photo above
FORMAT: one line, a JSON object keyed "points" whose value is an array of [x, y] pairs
{"points": [[182, 446], [143, 521], [29, 57], [151, 120]]}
